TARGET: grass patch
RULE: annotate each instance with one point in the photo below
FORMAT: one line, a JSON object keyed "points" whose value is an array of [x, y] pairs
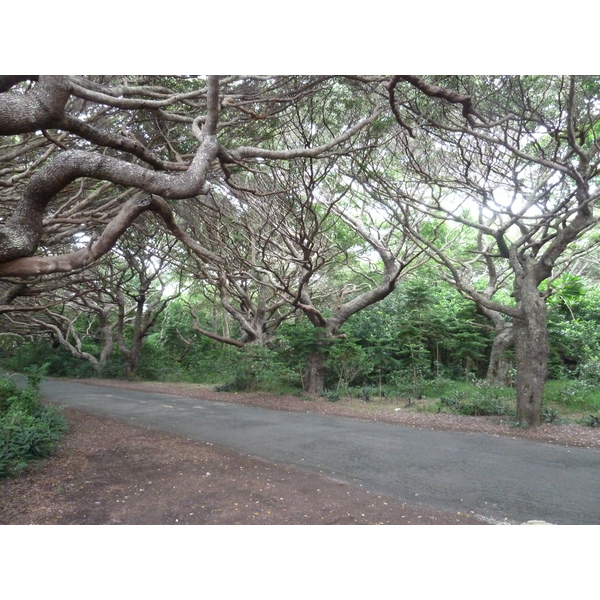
{"points": [[572, 396], [483, 402], [565, 401]]}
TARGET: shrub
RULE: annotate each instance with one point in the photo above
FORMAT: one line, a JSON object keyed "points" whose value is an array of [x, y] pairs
{"points": [[480, 404], [591, 421], [28, 429], [331, 395], [483, 406], [8, 389], [453, 402], [366, 392], [576, 396], [550, 415], [256, 368], [57, 362], [348, 361]]}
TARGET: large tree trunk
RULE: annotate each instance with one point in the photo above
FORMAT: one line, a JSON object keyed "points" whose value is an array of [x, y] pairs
{"points": [[314, 376], [531, 347], [131, 354], [132, 362], [500, 365]]}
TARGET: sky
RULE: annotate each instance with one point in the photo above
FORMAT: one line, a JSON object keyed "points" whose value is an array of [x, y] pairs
{"points": [[312, 37]]}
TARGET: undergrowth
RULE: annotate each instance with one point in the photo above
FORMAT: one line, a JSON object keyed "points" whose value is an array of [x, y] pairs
{"points": [[28, 428], [478, 405]]}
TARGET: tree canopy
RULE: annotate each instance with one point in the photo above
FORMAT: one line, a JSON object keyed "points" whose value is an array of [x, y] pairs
{"points": [[280, 196]]}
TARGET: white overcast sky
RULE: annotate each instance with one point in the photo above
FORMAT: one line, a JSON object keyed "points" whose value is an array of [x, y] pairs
{"points": [[309, 37]]}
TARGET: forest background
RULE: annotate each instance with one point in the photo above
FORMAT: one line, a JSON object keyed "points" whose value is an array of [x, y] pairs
{"points": [[456, 39], [328, 235]]}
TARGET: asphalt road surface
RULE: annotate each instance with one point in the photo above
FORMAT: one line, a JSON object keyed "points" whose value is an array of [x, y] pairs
{"points": [[501, 479]]}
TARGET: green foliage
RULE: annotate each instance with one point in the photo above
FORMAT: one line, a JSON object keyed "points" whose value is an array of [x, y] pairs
{"points": [[332, 395], [28, 429], [56, 362], [296, 341], [156, 364], [420, 342], [550, 415], [256, 368], [485, 402], [453, 402], [591, 420], [423, 330], [574, 331], [348, 361], [427, 388], [366, 392], [588, 370], [573, 396], [567, 291], [8, 390], [35, 375]]}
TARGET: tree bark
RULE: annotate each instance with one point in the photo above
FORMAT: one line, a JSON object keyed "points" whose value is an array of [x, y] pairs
{"points": [[314, 379], [500, 365], [37, 109], [531, 347]]}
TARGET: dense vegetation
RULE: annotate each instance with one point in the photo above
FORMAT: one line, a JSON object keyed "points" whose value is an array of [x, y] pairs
{"points": [[28, 428], [422, 341], [374, 235]]}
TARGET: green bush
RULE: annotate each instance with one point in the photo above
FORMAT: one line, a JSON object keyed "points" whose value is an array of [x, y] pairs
{"points": [[550, 415], [453, 402], [28, 428], [591, 421], [256, 368], [481, 404], [573, 396], [8, 389], [348, 361], [366, 392], [332, 395], [156, 364], [56, 362]]}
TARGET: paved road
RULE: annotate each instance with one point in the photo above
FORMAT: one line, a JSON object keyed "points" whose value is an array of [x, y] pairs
{"points": [[499, 478]]}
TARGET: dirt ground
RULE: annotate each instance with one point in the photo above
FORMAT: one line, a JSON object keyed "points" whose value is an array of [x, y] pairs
{"points": [[108, 472]]}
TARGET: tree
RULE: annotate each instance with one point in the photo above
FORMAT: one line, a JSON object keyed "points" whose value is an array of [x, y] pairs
{"points": [[141, 285], [84, 157], [65, 134], [322, 251], [320, 169], [282, 230], [116, 304], [238, 283], [518, 163]]}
